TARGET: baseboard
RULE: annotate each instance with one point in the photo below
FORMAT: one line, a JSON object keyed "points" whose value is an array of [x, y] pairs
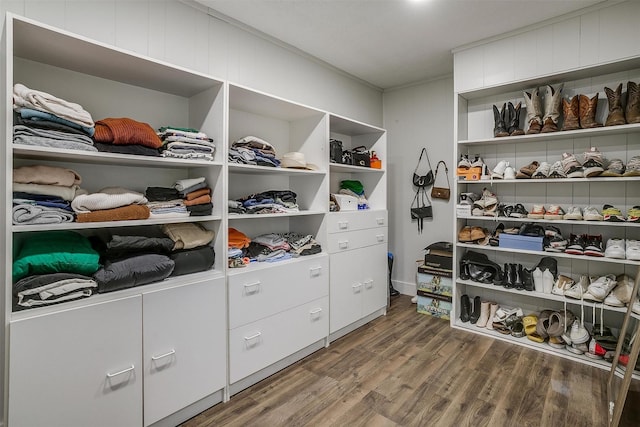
{"points": [[405, 288], [355, 325], [190, 411]]}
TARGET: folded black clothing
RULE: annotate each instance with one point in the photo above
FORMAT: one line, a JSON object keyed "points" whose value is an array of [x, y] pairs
{"points": [[45, 124], [194, 260], [161, 194], [200, 210], [134, 149], [39, 280], [312, 250], [286, 196], [48, 289], [254, 249], [134, 271]]}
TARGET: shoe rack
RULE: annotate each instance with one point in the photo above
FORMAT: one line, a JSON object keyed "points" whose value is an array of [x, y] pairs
{"points": [[474, 136]]}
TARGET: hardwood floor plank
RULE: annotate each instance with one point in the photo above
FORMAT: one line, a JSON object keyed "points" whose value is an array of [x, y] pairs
{"points": [[409, 369]]}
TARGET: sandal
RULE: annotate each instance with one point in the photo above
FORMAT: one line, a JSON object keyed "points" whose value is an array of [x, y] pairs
{"points": [[543, 323], [517, 328], [501, 327], [529, 323], [558, 322]]}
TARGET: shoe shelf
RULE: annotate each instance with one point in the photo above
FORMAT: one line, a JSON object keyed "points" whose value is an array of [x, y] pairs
{"points": [[540, 295], [551, 254], [261, 170], [491, 182], [555, 136], [544, 347], [500, 219]]}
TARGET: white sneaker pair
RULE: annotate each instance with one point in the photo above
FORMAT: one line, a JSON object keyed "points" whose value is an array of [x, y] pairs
{"points": [[600, 288], [503, 170], [621, 249], [622, 293]]}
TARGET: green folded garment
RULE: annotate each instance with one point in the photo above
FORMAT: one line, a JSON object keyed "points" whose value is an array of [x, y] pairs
{"points": [[353, 185], [55, 252]]}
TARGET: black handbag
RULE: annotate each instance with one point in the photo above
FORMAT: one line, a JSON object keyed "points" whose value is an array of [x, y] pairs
{"points": [[479, 268], [441, 192], [420, 210], [335, 150], [426, 180], [360, 156]]}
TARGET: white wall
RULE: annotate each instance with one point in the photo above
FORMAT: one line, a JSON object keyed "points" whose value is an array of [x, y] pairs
{"points": [[178, 33], [415, 117]]}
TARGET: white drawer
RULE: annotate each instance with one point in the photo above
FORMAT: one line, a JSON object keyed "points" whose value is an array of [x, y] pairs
{"points": [[339, 222], [340, 242], [260, 293], [257, 345]]}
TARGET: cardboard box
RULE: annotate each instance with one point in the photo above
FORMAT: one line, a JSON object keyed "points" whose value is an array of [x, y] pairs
{"points": [[470, 174], [463, 211], [439, 262], [443, 272], [515, 241], [434, 307], [434, 284]]}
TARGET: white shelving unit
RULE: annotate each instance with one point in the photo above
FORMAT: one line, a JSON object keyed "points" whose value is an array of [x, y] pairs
{"points": [[474, 136]]}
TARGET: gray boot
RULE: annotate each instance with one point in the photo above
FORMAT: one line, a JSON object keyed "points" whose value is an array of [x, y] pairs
{"points": [[534, 111], [552, 99]]}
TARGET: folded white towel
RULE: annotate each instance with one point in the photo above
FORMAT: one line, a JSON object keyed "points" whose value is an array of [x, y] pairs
{"points": [[107, 198]]}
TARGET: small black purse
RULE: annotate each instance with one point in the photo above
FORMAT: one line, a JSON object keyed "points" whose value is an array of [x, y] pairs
{"points": [[426, 180]]}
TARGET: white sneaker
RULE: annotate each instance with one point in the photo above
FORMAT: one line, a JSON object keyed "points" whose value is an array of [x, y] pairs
{"points": [[574, 212], [622, 293], [592, 214], [601, 287], [579, 335], [557, 171], [615, 249], [509, 173], [542, 171], [498, 171], [578, 289], [561, 284], [633, 250]]}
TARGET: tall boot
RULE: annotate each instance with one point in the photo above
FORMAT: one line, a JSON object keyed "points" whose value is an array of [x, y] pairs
{"points": [[501, 278], [492, 313], [519, 285], [632, 111], [552, 100], [588, 108], [616, 114], [527, 279], [465, 308], [485, 309], [514, 120], [571, 112], [534, 111], [499, 128], [477, 308], [511, 276]]}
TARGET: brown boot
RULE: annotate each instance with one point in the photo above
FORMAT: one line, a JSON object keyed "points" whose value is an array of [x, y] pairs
{"points": [[514, 120], [616, 114], [500, 128], [632, 112], [588, 107], [571, 111], [534, 111], [552, 100]]}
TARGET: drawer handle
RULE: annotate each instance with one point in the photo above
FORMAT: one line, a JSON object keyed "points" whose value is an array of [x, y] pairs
{"points": [[380, 237], [343, 244], [252, 288], [162, 356], [343, 225], [316, 311], [357, 287], [124, 371], [368, 283], [380, 221], [315, 271], [253, 337]]}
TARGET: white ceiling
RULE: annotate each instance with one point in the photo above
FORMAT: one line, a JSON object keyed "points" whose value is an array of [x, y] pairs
{"points": [[389, 43]]}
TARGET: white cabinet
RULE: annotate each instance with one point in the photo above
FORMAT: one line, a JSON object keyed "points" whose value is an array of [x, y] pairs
{"points": [[183, 328], [79, 367], [474, 137], [358, 269]]}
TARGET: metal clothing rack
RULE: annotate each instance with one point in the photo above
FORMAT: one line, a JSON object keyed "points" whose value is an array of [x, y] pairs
{"points": [[620, 377]]}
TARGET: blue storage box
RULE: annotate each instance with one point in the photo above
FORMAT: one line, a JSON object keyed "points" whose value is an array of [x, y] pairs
{"points": [[515, 241]]}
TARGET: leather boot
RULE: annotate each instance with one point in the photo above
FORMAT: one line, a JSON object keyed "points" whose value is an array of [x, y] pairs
{"points": [[588, 108], [552, 100], [534, 111], [571, 111], [511, 276], [477, 307], [616, 114], [485, 309], [465, 308], [527, 279], [464, 271], [499, 128], [501, 278], [514, 120], [518, 282], [632, 111], [492, 313]]}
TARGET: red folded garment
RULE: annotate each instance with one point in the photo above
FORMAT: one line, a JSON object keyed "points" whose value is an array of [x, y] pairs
{"points": [[198, 193], [198, 200], [124, 131], [124, 213]]}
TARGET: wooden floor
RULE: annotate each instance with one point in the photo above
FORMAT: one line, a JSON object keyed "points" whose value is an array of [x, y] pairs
{"points": [[408, 369]]}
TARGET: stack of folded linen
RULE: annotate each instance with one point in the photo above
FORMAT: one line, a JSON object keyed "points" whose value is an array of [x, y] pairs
{"points": [[252, 150], [126, 136], [196, 194], [110, 204], [186, 143]]}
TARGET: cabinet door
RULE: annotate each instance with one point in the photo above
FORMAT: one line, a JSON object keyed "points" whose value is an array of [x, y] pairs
{"points": [[375, 278], [79, 367], [184, 346], [346, 288]]}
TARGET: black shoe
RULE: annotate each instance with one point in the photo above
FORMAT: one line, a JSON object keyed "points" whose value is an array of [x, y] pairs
{"points": [[501, 277], [465, 308], [475, 315], [518, 282], [527, 279], [511, 276], [464, 271], [519, 211]]}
